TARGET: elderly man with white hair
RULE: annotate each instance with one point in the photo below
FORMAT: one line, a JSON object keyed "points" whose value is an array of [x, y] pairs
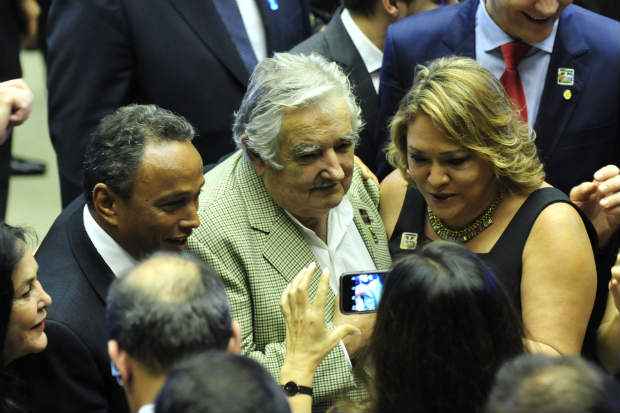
{"points": [[292, 195]]}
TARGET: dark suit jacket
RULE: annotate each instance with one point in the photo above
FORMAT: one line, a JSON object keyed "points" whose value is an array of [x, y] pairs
{"points": [[73, 373], [177, 54], [575, 137], [334, 43]]}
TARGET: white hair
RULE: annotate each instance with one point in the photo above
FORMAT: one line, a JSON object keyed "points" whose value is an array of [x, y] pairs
{"points": [[283, 82]]}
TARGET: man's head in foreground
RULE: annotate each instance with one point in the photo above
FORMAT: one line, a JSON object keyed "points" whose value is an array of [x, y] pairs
{"points": [[545, 384], [142, 177], [167, 308], [216, 382]]}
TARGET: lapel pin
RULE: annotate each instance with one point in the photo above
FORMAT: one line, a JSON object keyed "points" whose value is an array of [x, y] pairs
{"points": [[567, 94], [365, 217], [273, 5], [408, 241], [566, 76]]}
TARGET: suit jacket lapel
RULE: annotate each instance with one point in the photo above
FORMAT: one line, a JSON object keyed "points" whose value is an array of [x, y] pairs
{"points": [[371, 229], [571, 52], [284, 247], [344, 52], [205, 21], [96, 271], [460, 38]]}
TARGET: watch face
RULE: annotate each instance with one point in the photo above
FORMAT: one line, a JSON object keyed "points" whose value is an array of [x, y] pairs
{"points": [[290, 388]]}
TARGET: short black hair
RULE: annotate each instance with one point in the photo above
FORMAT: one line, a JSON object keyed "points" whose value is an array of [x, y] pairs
{"points": [[366, 7], [185, 313], [217, 382], [536, 383], [116, 147]]}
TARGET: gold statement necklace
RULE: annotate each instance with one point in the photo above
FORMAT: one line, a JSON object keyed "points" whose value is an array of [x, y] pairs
{"points": [[468, 232]]}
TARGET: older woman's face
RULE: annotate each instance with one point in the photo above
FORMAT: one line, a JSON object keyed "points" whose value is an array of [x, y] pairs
{"points": [[455, 183], [25, 333]]}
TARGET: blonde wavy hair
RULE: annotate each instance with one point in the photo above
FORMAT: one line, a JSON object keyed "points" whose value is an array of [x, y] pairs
{"points": [[470, 106]]}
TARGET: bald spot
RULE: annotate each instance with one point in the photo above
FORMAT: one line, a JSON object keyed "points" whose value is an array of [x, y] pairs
{"points": [[166, 278]]}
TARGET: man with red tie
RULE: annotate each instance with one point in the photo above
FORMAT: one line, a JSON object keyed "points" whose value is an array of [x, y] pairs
{"points": [[558, 62]]}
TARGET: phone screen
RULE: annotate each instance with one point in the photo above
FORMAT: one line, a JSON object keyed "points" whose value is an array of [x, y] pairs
{"points": [[360, 292]]}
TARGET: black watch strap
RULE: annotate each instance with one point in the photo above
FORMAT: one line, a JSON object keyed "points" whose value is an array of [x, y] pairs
{"points": [[291, 389]]}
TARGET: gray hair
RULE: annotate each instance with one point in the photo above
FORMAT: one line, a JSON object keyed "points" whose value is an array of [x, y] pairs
{"points": [[283, 82]]}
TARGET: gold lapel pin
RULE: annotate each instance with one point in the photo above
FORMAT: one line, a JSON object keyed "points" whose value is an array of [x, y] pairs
{"points": [[567, 94]]}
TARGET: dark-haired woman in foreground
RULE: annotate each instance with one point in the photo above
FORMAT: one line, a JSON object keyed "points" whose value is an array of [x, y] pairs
{"points": [[468, 170], [23, 309], [444, 326]]}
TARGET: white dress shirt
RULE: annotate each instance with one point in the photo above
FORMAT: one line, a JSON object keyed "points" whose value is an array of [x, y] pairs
{"points": [[253, 22], [532, 69], [345, 250], [371, 55], [113, 254], [147, 408]]}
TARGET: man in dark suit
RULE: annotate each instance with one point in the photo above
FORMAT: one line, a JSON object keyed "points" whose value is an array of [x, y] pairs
{"points": [[354, 39], [142, 177], [569, 73], [191, 57]]}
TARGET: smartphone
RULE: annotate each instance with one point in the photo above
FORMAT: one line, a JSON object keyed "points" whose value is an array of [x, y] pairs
{"points": [[360, 292]]}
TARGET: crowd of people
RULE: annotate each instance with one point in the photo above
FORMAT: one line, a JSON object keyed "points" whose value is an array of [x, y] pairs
{"points": [[186, 276]]}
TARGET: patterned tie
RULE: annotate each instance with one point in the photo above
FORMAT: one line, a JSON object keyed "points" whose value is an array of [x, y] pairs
{"points": [[513, 53], [229, 12]]}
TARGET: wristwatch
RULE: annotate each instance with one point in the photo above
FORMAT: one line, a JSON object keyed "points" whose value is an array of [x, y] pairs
{"points": [[291, 389]]}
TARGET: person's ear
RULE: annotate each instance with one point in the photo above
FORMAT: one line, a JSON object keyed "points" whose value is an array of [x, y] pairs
{"points": [[391, 8], [121, 361], [105, 203], [234, 343], [260, 166]]}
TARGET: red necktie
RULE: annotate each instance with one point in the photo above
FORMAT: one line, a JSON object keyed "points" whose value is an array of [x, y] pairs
{"points": [[513, 53]]}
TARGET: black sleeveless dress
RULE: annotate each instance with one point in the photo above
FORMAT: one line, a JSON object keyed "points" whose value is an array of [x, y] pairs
{"points": [[505, 258]]}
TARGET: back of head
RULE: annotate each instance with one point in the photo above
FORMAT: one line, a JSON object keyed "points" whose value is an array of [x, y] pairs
{"points": [[545, 384], [282, 83], [361, 7], [216, 382], [167, 308], [114, 153], [443, 328]]}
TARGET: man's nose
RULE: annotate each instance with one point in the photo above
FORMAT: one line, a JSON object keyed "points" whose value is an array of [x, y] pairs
{"points": [[191, 220], [333, 167]]}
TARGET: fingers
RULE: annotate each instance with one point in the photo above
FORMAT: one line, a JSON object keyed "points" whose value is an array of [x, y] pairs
{"points": [[606, 172], [583, 192], [614, 289], [321, 295], [342, 331], [366, 172]]}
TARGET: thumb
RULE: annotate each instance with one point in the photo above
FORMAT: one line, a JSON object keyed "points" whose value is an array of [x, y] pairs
{"points": [[614, 288], [342, 331]]}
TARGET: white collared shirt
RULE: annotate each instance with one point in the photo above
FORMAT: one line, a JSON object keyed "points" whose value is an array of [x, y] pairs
{"points": [[371, 54], [532, 69], [345, 250], [113, 254], [254, 27], [147, 408]]}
